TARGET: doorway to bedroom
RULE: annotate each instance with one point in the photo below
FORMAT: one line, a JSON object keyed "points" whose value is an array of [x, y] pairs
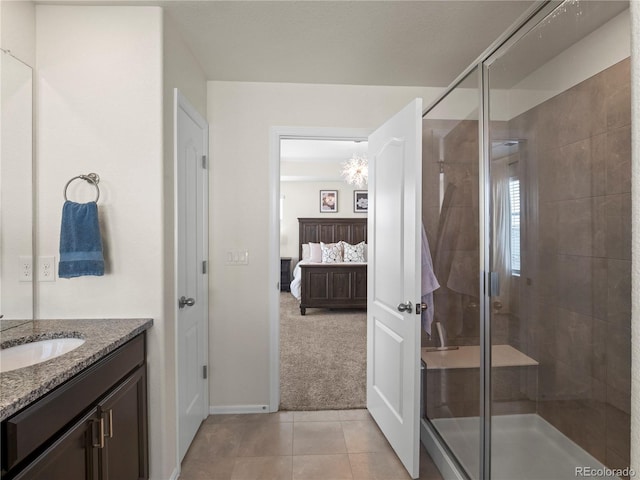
{"points": [[323, 282]]}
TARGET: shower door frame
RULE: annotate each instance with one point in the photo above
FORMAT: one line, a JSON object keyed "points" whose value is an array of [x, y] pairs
{"points": [[442, 455]]}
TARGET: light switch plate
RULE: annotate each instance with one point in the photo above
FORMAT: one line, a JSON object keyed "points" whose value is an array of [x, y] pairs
{"points": [[237, 257]]}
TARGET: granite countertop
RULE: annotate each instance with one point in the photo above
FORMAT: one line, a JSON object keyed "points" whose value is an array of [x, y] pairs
{"points": [[20, 387], [6, 324]]}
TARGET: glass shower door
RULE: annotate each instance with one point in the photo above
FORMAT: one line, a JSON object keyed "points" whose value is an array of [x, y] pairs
{"points": [[559, 167], [451, 350]]}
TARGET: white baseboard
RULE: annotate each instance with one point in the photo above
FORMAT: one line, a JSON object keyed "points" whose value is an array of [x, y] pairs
{"points": [[228, 409]]}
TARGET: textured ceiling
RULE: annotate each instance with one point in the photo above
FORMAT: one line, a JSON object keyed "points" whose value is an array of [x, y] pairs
{"points": [[360, 42], [412, 43]]}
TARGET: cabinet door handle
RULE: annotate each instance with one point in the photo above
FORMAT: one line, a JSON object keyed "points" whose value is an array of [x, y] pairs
{"points": [[100, 443], [110, 423]]}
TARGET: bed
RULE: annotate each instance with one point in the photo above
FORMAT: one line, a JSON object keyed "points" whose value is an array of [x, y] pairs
{"points": [[330, 285]]}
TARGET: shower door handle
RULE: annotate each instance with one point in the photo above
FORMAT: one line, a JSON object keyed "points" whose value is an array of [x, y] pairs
{"points": [[405, 307], [494, 284]]}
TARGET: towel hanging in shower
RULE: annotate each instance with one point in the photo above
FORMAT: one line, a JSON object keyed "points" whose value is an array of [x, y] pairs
{"points": [[429, 284]]}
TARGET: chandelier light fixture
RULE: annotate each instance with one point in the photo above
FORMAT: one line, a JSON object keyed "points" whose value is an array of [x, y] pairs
{"points": [[356, 170]]}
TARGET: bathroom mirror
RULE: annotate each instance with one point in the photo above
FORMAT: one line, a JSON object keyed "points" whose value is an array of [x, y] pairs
{"points": [[16, 191]]}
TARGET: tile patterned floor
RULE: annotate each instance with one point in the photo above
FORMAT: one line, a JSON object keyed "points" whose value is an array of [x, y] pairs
{"points": [[319, 445]]}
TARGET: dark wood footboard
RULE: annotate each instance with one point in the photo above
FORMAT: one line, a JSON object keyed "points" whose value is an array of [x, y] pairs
{"points": [[337, 285]]}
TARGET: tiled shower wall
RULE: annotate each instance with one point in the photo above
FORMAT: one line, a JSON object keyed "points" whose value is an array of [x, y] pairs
{"points": [[576, 273]]}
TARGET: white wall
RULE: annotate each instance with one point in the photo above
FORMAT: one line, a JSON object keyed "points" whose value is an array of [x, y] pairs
{"points": [[181, 70], [240, 116], [302, 199], [17, 29], [99, 109], [635, 247]]}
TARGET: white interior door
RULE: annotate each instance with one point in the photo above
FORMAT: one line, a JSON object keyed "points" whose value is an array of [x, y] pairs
{"points": [[393, 329], [191, 144]]}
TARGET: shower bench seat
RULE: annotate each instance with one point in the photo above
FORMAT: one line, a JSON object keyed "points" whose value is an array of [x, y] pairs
{"points": [[469, 357]]}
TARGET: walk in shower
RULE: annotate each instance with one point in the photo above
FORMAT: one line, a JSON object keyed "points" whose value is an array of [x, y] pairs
{"points": [[527, 210]]}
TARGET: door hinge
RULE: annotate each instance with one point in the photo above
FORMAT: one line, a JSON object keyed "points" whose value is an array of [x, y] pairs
{"points": [[204, 371], [204, 162], [204, 267]]}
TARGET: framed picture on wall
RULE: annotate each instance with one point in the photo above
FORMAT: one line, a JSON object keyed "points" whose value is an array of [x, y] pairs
{"points": [[360, 201], [328, 201]]}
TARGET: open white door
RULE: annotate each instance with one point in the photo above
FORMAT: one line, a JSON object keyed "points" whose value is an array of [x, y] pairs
{"points": [[393, 327], [192, 350]]}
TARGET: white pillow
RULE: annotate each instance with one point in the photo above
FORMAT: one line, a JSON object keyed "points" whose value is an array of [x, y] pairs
{"points": [[315, 253], [306, 252], [331, 252], [353, 253]]}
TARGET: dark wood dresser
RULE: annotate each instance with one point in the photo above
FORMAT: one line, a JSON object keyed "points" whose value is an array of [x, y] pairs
{"points": [[285, 274]]}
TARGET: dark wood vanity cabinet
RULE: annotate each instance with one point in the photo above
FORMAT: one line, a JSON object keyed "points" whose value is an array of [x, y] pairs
{"points": [[103, 413], [124, 413], [71, 456]]}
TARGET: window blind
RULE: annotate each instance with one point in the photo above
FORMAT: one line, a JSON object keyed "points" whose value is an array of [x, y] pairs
{"points": [[514, 202]]}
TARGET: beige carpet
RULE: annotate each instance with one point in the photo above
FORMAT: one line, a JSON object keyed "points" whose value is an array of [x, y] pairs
{"points": [[323, 357]]}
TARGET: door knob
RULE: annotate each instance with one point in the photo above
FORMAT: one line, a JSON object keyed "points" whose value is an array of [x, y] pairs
{"points": [[184, 301], [405, 307]]}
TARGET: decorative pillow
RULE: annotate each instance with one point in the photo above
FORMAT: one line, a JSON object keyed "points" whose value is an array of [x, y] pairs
{"points": [[331, 252], [315, 253], [306, 252], [353, 253]]}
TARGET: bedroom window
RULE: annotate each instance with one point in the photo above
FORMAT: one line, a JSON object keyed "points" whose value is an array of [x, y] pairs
{"points": [[514, 203]]}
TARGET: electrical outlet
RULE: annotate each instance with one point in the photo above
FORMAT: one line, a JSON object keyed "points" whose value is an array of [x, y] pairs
{"points": [[47, 269], [26, 268]]}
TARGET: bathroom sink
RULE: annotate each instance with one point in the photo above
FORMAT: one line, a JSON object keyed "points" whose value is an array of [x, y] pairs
{"points": [[32, 353]]}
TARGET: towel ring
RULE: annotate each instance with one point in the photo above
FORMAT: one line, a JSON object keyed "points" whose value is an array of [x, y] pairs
{"points": [[92, 178]]}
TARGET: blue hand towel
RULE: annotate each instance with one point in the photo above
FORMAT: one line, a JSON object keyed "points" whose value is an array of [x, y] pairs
{"points": [[80, 241]]}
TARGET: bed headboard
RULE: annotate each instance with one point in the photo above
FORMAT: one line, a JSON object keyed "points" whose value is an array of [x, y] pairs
{"points": [[331, 230]]}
